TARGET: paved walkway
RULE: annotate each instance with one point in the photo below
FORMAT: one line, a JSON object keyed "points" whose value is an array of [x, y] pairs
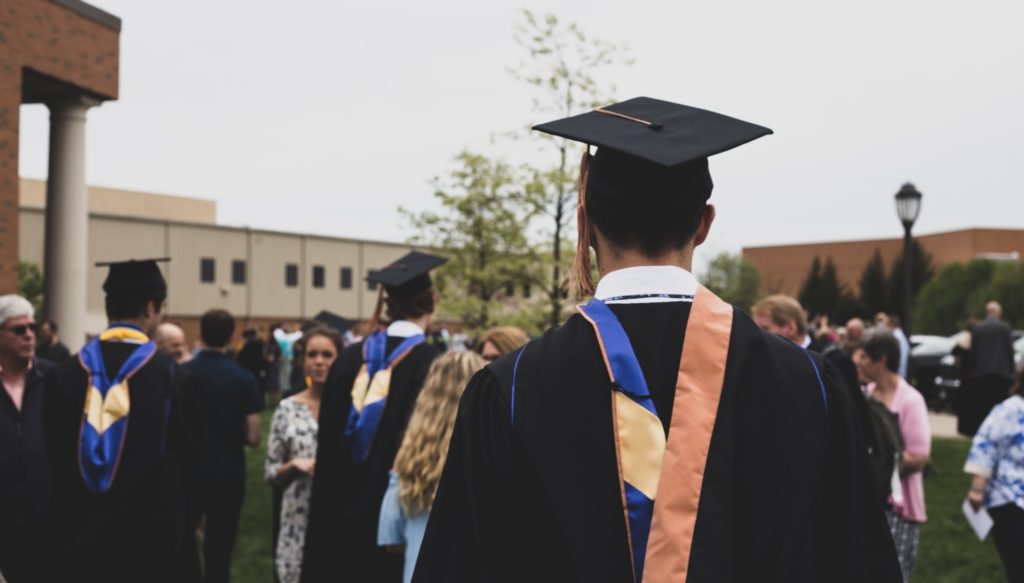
{"points": [[943, 425]]}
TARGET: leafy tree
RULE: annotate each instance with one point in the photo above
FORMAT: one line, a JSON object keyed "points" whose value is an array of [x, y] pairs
{"points": [[921, 271], [957, 292], [873, 285], [1007, 288], [734, 279], [561, 66], [482, 225], [30, 283]]}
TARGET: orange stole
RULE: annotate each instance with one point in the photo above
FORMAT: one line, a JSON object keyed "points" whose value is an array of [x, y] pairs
{"points": [[694, 410]]}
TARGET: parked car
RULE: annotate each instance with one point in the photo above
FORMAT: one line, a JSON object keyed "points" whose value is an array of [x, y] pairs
{"points": [[927, 355]]}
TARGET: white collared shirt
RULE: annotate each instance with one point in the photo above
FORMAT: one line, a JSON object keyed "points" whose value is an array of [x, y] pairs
{"points": [[403, 329], [647, 284], [806, 341]]}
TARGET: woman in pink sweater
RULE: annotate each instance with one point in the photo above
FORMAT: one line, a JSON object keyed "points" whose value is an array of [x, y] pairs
{"points": [[878, 362]]}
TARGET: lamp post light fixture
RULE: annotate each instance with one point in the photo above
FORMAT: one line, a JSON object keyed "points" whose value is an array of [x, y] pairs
{"points": [[908, 207]]}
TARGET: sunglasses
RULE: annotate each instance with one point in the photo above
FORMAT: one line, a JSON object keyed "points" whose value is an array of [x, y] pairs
{"points": [[325, 354], [20, 330]]}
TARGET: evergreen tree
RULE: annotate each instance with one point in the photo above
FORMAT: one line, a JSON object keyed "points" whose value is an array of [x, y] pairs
{"points": [[921, 271], [822, 293], [874, 287], [810, 290], [829, 291]]}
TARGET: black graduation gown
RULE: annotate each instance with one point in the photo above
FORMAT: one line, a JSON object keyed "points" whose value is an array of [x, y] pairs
{"points": [[138, 530], [787, 492], [341, 537]]}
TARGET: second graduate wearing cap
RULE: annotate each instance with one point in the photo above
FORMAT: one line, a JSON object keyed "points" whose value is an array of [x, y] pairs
{"points": [[365, 408], [658, 435], [120, 422]]}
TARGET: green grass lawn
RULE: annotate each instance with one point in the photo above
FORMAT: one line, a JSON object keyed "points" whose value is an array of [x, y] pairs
{"points": [[949, 550], [252, 561]]}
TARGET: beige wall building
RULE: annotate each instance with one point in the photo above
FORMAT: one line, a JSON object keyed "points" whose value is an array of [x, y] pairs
{"points": [[260, 276]]}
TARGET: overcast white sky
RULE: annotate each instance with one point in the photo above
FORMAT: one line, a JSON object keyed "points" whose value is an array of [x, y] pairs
{"points": [[324, 117]]}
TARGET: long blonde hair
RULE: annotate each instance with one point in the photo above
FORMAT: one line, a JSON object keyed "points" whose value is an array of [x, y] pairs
{"points": [[421, 458]]}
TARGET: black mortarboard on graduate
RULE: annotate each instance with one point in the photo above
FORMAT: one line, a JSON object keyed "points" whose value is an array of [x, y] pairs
{"points": [[406, 277], [340, 323], [647, 150], [135, 276]]}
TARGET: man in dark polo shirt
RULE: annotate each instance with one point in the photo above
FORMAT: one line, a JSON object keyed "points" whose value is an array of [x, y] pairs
{"points": [[24, 469], [233, 421]]}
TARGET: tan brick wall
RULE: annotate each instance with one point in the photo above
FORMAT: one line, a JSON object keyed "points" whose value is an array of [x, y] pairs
{"points": [[784, 267], [57, 42]]}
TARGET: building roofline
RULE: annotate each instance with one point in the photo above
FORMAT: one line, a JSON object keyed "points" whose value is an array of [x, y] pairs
{"points": [[229, 228], [882, 240], [128, 191], [91, 12]]}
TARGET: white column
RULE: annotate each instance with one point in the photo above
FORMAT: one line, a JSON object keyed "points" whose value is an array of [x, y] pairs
{"points": [[65, 267]]}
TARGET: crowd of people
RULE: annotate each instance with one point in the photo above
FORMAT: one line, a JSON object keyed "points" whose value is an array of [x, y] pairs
{"points": [[658, 434], [193, 461], [874, 362]]}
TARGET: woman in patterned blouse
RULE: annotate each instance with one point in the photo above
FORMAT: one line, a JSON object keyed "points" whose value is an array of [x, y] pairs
{"points": [[291, 450], [997, 461]]}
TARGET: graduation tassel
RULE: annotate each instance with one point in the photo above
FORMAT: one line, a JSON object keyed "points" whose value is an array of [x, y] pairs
{"points": [[580, 283]]}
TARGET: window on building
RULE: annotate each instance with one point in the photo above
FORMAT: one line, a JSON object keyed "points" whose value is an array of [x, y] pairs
{"points": [[291, 275], [371, 285], [527, 290], [207, 270], [318, 276], [238, 272], [510, 289], [346, 278]]}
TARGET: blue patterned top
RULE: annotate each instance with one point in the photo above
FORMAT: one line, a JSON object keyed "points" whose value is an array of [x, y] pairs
{"points": [[998, 454]]}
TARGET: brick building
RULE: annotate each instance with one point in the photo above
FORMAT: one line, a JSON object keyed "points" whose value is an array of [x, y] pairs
{"points": [[64, 54], [784, 267]]}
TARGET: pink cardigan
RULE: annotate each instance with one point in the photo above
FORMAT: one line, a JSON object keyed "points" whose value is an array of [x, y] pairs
{"points": [[909, 405]]}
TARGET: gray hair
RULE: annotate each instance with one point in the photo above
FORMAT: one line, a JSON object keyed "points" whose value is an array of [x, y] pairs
{"points": [[14, 306]]}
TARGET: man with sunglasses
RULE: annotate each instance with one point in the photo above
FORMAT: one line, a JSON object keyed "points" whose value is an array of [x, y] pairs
{"points": [[24, 469]]}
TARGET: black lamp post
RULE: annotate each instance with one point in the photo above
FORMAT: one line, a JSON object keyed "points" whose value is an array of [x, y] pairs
{"points": [[908, 206]]}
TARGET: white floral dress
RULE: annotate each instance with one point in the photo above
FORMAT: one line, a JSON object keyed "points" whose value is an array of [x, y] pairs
{"points": [[293, 431]]}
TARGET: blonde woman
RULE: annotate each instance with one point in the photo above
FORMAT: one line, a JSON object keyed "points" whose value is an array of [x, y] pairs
{"points": [[291, 450], [418, 465], [499, 341]]}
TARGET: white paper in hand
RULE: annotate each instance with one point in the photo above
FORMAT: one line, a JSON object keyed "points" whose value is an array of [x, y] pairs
{"points": [[980, 521]]}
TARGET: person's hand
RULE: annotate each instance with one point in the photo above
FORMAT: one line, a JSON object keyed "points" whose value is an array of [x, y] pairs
{"points": [[304, 465], [976, 498]]}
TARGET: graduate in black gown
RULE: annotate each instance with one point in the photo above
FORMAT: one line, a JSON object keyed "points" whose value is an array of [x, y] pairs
{"points": [[360, 431], [719, 452], [121, 420]]}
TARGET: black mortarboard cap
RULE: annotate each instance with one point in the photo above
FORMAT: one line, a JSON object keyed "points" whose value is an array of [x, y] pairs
{"points": [[332, 320], [134, 276], [663, 145], [408, 276]]}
